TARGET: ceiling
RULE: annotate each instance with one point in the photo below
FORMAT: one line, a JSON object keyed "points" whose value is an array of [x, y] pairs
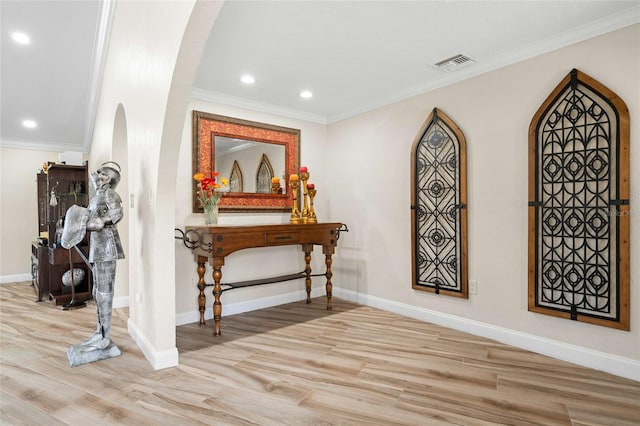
{"points": [[353, 56]]}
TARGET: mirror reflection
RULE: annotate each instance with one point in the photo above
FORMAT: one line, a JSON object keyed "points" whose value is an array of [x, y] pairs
{"points": [[249, 165]]}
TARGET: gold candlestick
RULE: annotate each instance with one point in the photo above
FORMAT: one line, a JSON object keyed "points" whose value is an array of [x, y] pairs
{"points": [[305, 209], [295, 212], [312, 214]]}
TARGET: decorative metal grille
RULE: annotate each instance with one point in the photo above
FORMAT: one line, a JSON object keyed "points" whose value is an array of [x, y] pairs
{"points": [[577, 200], [439, 224]]}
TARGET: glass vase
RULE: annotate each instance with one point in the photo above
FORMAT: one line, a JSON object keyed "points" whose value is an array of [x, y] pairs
{"points": [[211, 214]]}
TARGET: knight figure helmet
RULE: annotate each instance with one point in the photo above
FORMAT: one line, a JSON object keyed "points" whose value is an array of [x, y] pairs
{"points": [[111, 169]]}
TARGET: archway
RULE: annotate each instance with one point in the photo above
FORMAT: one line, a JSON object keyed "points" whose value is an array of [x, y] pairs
{"points": [[119, 154], [201, 20]]}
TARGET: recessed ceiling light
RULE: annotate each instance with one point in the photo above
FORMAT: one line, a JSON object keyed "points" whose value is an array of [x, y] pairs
{"points": [[306, 94], [29, 124], [247, 79], [20, 38]]}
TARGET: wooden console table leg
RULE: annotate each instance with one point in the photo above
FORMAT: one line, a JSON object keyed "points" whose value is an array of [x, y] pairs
{"points": [[202, 298], [328, 252], [217, 292], [307, 248]]}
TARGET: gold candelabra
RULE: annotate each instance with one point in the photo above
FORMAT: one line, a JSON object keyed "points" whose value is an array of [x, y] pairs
{"points": [[308, 214], [295, 212], [304, 176], [312, 214]]}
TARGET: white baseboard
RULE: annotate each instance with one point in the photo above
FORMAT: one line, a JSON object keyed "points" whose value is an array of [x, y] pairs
{"points": [[613, 364], [157, 359], [17, 278]]}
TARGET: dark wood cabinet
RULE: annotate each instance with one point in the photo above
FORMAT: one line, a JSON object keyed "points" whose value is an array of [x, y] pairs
{"points": [[58, 189]]}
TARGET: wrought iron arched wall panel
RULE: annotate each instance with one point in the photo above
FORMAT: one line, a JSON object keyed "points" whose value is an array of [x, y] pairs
{"points": [[438, 207], [579, 204]]}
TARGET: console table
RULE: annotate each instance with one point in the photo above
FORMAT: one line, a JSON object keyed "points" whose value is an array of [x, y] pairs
{"points": [[214, 243]]}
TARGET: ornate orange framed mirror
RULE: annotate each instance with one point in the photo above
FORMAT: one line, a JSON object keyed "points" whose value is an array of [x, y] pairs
{"points": [[239, 149]]}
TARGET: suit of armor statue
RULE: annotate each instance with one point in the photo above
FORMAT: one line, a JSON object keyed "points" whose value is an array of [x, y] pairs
{"points": [[105, 248], [100, 219]]}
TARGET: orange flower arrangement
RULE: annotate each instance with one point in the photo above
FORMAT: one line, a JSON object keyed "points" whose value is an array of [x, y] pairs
{"points": [[208, 189]]}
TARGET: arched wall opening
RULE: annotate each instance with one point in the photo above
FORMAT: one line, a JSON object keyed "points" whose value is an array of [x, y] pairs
{"points": [[120, 154], [152, 319]]}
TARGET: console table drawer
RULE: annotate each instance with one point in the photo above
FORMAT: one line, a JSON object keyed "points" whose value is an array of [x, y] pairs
{"points": [[277, 238]]}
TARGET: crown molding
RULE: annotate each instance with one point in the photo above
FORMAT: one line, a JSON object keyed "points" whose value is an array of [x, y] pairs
{"points": [[51, 146], [103, 37], [221, 98]]}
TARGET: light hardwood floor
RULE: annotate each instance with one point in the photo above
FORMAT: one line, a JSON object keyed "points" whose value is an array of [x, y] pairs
{"points": [[294, 364]]}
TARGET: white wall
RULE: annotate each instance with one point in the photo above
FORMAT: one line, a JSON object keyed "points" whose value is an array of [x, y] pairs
{"points": [[19, 209], [370, 191]]}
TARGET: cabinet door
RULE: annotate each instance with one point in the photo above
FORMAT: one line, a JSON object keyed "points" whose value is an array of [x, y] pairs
{"points": [[42, 287]]}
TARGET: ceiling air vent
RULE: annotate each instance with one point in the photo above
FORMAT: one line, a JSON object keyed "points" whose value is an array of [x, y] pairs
{"points": [[454, 62]]}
